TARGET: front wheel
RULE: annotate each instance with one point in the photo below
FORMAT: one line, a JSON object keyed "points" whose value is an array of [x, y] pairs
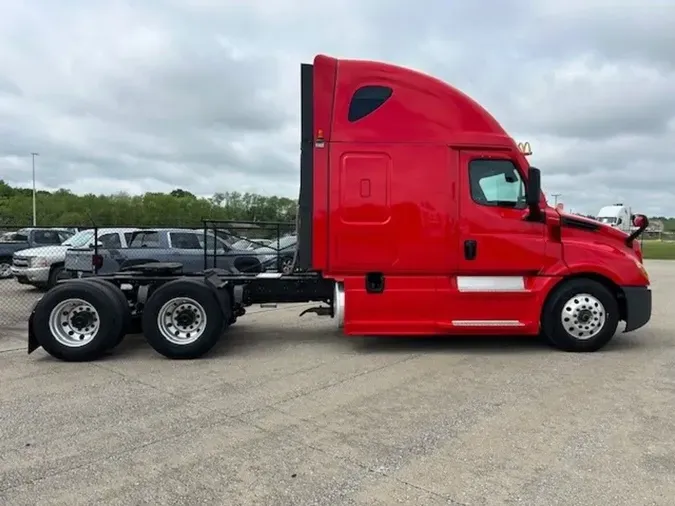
{"points": [[581, 315], [5, 268], [56, 274]]}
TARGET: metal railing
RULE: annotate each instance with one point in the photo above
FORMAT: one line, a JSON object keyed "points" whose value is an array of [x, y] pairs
{"points": [[33, 259]]}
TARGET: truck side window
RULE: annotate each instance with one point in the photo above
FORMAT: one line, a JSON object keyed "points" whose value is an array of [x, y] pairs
{"points": [[496, 183], [46, 237], [211, 242], [110, 241], [185, 240], [145, 240], [64, 236], [366, 100]]}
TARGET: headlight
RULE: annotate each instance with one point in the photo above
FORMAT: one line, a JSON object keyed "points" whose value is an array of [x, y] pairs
{"points": [[642, 269], [38, 262]]}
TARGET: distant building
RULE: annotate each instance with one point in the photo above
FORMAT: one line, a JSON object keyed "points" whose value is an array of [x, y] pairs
{"points": [[655, 227]]}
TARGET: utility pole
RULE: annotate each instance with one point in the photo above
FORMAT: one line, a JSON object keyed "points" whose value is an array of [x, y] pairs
{"points": [[555, 196], [34, 207]]}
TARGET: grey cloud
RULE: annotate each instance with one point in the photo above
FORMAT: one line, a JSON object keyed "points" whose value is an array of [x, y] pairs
{"points": [[592, 98], [203, 95], [638, 32]]}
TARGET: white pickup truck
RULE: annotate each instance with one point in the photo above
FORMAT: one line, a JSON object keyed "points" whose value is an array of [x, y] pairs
{"points": [[42, 267]]}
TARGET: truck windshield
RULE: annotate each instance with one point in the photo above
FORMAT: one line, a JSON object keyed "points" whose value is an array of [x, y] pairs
{"points": [[610, 220], [80, 239]]}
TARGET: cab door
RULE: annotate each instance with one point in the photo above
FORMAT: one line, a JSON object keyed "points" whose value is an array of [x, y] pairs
{"points": [[501, 250], [496, 237]]}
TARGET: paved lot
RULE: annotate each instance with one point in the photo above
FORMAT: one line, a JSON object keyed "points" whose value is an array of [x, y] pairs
{"points": [[289, 412]]}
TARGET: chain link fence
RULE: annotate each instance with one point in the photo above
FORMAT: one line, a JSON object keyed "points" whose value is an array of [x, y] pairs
{"points": [[34, 259]]}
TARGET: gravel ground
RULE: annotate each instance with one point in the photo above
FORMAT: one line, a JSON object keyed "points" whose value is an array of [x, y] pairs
{"points": [[287, 411]]}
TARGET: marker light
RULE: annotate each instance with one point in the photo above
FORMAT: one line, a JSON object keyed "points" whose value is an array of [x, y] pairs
{"points": [[525, 148]]}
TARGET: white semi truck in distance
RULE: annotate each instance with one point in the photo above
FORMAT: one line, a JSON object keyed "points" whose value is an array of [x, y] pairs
{"points": [[617, 216]]}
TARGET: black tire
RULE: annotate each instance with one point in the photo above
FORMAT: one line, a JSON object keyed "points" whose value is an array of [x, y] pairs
{"points": [[54, 276], [207, 306], [6, 264], [110, 322], [122, 305], [581, 299]]}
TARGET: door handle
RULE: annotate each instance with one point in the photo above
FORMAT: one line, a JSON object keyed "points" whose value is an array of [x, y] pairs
{"points": [[470, 248]]}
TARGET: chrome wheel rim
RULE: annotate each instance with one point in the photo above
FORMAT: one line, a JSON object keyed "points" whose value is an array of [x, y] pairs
{"points": [[287, 265], [74, 323], [583, 316], [182, 321]]}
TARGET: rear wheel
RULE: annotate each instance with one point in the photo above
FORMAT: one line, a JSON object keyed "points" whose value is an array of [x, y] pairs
{"points": [[581, 315], [77, 321], [122, 306], [184, 319]]}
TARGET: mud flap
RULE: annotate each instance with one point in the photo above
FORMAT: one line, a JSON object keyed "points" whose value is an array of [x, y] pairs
{"points": [[217, 286], [32, 340]]}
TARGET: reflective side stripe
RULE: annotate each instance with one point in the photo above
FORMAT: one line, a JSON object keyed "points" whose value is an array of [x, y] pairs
{"points": [[487, 323], [491, 284]]}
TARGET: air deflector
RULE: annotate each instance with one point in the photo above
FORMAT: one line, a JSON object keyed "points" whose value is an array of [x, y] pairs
{"points": [[305, 199]]}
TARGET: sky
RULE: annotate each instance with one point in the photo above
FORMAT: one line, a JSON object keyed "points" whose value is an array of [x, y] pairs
{"points": [[204, 94]]}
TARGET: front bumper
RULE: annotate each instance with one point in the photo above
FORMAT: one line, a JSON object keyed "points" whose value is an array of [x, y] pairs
{"points": [[30, 275], [638, 301]]}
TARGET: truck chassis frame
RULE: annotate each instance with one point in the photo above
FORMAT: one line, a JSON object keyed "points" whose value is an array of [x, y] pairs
{"points": [[129, 293]]}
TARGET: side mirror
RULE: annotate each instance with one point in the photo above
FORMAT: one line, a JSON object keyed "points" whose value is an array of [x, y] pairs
{"points": [[533, 187], [640, 221]]}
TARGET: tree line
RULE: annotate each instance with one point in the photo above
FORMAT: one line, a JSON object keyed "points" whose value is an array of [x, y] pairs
{"points": [[178, 208]]}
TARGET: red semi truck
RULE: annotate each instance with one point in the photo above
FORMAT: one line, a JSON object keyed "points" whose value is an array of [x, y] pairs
{"points": [[418, 215]]}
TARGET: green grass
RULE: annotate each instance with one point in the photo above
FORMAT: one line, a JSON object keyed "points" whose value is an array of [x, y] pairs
{"points": [[658, 250]]}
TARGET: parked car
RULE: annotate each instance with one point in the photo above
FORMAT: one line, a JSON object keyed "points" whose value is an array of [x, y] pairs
{"points": [[42, 267], [250, 244], [26, 238], [184, 246], [278, 255]]}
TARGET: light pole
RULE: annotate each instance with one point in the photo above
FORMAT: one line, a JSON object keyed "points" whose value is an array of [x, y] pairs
{"points": [[34, 207], [555, 196]]}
